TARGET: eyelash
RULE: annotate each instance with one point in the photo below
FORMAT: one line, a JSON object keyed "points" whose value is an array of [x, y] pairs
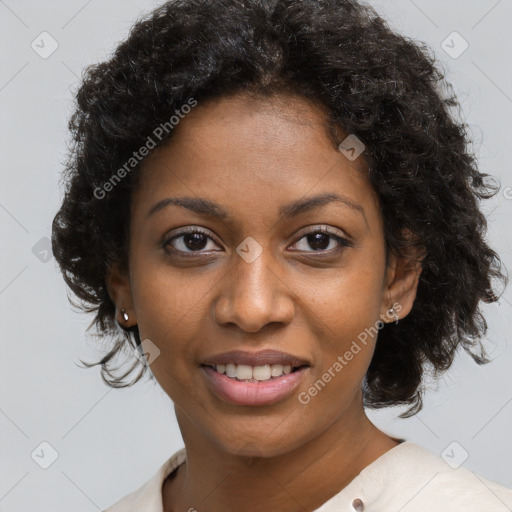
{"points": [[343, 242]]}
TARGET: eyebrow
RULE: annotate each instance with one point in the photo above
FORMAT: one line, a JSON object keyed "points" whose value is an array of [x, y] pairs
{"points": [[209, 208]]}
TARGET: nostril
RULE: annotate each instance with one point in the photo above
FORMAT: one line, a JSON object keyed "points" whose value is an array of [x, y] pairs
{"points": [[357, 505]]}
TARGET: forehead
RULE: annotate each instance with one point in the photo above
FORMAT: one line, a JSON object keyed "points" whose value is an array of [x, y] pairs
{"points": [[253, 153]]}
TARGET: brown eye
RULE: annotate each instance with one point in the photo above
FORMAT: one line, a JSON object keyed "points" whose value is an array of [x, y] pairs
{"points": [[319, 241], [323, 240], [188, 241]]}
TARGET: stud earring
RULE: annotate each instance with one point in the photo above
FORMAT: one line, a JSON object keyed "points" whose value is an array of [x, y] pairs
{"points": [[125, 315], [394, 313]]}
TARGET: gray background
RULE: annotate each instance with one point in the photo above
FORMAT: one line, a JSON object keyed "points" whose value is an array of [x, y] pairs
{"points": [[109, 442]]}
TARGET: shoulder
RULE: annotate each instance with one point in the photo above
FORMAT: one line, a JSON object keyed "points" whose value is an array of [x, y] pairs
{"points": [[148, 497], [422, 480]]}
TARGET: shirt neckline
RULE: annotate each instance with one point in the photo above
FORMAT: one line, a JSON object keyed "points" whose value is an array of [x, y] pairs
{"points": [[350, 490]]}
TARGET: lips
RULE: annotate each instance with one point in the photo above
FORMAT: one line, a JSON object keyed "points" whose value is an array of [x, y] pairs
{"points": [[253, 394], [260, 358]]}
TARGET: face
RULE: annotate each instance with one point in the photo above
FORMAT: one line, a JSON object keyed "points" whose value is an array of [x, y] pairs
{"points": [[258, 272]]}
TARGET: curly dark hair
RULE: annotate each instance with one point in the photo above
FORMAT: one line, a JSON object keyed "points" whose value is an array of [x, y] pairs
{"points": [[386, 89]]}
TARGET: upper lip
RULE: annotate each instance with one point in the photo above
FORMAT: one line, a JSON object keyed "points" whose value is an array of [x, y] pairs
{"points": [[260, 358]]}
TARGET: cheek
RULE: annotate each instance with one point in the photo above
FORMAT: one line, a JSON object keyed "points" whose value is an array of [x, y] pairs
{"points": [[344, 313], [171, 308], [169, 303], [349, 299]]}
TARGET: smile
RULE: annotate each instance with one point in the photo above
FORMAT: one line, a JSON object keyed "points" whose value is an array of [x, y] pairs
{"points": [[253, 373], [253, 386]]}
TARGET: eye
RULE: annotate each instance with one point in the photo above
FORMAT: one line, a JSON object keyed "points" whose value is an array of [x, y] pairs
{"points": [[195, 240], [321, 240], [191, 240]]}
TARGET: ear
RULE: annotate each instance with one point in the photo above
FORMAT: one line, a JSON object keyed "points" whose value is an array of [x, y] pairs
{"points": [[118, 286], [401, 283]]}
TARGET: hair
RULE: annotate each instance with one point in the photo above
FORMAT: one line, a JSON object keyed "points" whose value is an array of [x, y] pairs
{"points": [[382, 87]]}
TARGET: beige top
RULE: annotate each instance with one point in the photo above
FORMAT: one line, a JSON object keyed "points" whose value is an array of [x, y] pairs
{"points": [[407, 478]]}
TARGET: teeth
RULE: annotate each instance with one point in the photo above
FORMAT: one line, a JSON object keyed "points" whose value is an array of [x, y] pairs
{"points": [[253, 373], [243, 372], [276, 370], [230, 370], [260, 372]]}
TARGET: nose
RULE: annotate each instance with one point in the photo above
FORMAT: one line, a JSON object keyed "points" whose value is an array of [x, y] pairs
{"points": [[254, 295]]}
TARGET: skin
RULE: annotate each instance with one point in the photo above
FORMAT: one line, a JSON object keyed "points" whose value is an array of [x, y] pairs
{"points": [[252, 156]]}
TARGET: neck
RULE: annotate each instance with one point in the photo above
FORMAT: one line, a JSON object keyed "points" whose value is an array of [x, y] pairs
{"points": [[220, 480]]}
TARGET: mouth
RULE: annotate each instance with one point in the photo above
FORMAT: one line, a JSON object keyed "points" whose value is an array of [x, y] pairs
{"points": [[254, 378], [258, 359], [247, 373]]}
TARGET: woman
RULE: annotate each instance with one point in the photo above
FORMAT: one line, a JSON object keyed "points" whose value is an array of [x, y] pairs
{"points": [[271, 201]]}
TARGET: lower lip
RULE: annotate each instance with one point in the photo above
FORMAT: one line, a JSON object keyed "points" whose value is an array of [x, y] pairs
{"points": [[253, 393]]}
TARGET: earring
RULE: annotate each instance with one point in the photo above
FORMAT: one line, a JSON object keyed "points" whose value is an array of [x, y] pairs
{"points": [[125, 315], [394, 313]]}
